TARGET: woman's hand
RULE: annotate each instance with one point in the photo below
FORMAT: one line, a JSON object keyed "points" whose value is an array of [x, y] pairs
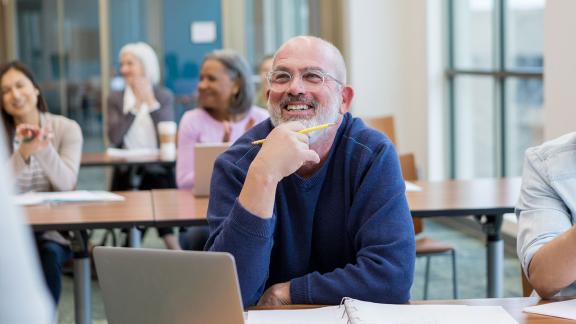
{"points": [[32, 139], [143, 91]]}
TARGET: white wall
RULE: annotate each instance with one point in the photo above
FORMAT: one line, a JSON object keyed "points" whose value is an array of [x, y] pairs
{"points": [[388, 47], [559, 68]]}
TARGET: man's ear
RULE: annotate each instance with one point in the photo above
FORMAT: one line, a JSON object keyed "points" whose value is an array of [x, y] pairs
{"points": [[347, 95]]}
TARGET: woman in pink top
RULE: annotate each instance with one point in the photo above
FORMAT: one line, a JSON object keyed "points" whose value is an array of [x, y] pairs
{"points": [[225, 96]]}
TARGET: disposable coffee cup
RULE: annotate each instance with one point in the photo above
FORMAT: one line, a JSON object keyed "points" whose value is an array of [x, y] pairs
{"points": [[167, 133]]}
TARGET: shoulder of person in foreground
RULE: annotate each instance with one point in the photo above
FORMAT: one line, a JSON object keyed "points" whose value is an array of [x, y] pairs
{"points": [[553, 148], [544, 163], [23, 297]]}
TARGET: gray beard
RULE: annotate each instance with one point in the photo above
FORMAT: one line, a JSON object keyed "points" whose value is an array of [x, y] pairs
{"points": [[330, 117]]}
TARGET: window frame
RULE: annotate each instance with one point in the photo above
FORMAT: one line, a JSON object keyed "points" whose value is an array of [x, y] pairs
{"points": [[500, 74]]}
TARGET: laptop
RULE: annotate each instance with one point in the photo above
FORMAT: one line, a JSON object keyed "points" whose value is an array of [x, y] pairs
{"points": [[205, 155], [153, 286]]}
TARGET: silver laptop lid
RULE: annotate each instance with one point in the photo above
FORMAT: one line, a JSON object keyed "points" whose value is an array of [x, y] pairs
{"points": [[161, 286], [205, 155]]}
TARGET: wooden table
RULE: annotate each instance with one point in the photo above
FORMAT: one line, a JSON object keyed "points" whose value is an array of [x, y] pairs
{"points": [[513, 306], [488, 196], [178, 207], [93, 159], [486, 199], [135, 210]]}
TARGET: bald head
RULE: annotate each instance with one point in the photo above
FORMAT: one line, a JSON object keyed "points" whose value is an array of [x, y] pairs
{"points": [[297, 94], [327, 50]]}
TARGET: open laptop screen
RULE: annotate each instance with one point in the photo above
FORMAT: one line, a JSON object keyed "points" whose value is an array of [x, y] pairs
{"points": [[205, 155], [160, 286]]}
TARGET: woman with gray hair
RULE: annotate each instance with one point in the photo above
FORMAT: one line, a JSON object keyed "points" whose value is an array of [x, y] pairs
{"points": [[225, 112], [133, 117]]}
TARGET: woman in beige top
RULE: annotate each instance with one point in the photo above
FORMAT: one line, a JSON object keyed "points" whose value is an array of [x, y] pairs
{"points": [[45, 155]]}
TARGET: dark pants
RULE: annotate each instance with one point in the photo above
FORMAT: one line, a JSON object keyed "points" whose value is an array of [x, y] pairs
{"points": [[52, 257], [194, 238], [145, 178]]}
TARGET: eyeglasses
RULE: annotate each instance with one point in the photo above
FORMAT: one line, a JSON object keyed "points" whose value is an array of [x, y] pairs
{"points": [[312, 80]]}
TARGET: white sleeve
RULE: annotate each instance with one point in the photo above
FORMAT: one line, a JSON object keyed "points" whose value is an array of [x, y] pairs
{"points": [[542, 214], [24, 297]]}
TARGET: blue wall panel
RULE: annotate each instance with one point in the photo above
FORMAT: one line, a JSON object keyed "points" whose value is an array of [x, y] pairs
{"points": [[183, 58]]}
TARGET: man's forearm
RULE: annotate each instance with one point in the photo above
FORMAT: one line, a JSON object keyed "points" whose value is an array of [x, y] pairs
{"points": [[258, 193]]}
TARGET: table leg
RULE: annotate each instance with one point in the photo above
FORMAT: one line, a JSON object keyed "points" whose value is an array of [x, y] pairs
{"points": [[491, 225], [135, 237], [82, 279]]}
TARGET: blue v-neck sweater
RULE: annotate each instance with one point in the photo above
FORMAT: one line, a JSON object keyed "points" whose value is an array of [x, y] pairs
{"points": [[345, 231]]}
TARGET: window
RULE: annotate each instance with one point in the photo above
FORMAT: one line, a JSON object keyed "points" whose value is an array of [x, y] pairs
{"points": [[269, 23], [495, 83]]}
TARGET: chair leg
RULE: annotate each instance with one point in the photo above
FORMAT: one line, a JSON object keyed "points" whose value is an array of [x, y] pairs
{"points": [[426, 277], [109, 233], [454, 275], [114, 240]]}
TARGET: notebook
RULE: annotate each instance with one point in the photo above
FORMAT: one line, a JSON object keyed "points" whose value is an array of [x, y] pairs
{"points": [[205, 155], [153, 286], [353, 311], [36, 198], [359, 312]]}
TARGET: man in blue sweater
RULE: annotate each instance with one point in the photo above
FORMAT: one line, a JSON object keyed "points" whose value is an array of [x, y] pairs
{"points": [[313, 218]]}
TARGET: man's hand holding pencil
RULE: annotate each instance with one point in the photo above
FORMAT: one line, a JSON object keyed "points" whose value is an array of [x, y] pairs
{"points": [[302, 131], [285, 151]]}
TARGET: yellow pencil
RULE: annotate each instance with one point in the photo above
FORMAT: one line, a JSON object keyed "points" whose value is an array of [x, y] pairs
{"points": [[302, 131]]}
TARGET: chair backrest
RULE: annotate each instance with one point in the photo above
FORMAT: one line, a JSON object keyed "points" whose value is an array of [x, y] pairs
{"points": [[384, 124], [408, 166], [526, 285]]}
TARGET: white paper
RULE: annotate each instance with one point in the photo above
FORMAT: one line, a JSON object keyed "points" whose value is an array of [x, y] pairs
{"points": [[374, 313], [116, 152], [203, 32], [412, 186], [564, 309], [323, 315], [35, 198]]}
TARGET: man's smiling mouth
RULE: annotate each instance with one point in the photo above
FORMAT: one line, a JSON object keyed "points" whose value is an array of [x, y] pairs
{"points": [[297, 107]]}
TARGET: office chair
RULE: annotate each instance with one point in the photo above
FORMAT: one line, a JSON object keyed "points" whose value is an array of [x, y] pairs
{"points": [[425, 246], [384, 124]]}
